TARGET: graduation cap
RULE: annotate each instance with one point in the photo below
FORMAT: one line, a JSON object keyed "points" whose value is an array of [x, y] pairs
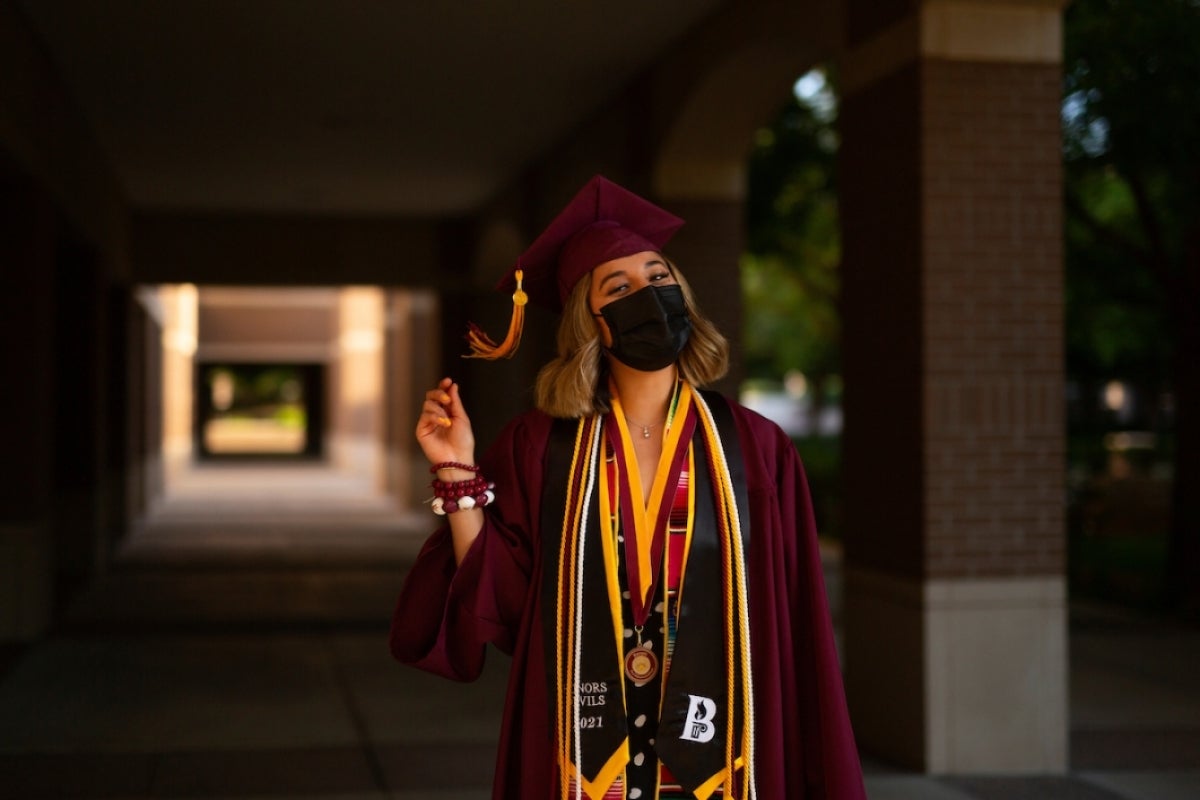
{"points": [[602, 222]]}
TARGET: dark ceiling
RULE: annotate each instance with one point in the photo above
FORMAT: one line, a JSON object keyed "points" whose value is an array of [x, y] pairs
{"points": [[341, 106]]}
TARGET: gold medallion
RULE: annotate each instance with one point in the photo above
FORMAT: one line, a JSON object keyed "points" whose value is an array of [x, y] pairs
{"points": [[641, 665]]}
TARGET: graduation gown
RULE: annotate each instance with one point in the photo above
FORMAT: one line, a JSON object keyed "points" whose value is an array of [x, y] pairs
{"points": [[445, 616]]}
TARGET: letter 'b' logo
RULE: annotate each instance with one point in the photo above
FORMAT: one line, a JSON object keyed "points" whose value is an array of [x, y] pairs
{"points": [[698, 727]]}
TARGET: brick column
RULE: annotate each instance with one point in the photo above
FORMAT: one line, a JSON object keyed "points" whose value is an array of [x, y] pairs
{"points": [[954, 445]]}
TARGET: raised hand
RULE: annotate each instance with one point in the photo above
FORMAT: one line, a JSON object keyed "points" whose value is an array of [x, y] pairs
{"points": [[443, 428]]}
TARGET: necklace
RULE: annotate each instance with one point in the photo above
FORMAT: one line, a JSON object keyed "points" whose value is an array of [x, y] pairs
{"points": [[670, 413], [645, 428]]}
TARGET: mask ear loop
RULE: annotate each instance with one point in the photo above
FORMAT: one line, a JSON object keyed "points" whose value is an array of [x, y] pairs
{"points": [[685, 292]]}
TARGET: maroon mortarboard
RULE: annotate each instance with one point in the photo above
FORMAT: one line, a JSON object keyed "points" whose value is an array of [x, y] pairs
{"points": [[602, 222]]}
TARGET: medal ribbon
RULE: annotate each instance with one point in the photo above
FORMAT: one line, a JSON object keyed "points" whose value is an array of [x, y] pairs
{"points": [[645, 524]]}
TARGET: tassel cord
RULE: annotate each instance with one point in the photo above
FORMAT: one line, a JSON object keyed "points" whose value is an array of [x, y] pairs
{"points": [[483, 346]]}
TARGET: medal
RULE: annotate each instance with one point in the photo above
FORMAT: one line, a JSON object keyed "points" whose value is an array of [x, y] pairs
{"points": [[641, 665]]}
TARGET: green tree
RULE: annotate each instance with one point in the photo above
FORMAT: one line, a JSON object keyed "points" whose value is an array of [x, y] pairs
{"points": [[1132, 189], [790, 269]]}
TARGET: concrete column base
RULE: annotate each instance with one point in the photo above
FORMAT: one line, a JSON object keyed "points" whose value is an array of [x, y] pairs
{"points": [[955, 676]]}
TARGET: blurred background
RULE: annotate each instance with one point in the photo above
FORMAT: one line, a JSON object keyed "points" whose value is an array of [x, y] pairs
{"points": [[955, 245]]}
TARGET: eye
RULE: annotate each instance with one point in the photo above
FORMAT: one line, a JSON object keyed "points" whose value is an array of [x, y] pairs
{"points": [[615, 290], [662, 276]]}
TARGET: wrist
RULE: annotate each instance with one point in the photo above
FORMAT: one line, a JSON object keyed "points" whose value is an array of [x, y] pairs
{"points": [[450, 497], [452, 471], [454, 475]]}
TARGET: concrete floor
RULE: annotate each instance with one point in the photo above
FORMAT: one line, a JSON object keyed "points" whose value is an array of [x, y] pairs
{"points": [[238, 650]]}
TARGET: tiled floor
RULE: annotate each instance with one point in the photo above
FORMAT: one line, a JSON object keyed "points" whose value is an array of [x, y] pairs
{"points": [[239, 651]]}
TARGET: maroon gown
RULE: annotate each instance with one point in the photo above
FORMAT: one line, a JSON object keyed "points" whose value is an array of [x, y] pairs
{"points": [[804, 747]]}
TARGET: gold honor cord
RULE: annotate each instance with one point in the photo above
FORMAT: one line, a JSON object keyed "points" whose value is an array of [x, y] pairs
{"points": [[574, 511], [570, 513]]}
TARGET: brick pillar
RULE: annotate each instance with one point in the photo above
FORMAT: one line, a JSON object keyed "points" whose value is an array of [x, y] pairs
{"points": [[954, 442]]}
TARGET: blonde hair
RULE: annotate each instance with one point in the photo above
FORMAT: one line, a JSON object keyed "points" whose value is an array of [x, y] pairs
{"points": [[574, 384]]}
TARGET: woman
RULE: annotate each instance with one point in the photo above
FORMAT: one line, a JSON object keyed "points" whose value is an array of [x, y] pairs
{"points": [[644, 550]]}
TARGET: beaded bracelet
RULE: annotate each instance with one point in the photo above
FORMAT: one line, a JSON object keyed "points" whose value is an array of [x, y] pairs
{"points": [[436, 468], [442, 506], [452, 490], [451, 496]]}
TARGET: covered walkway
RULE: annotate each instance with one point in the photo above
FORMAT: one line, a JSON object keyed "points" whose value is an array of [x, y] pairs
{"points": [[238, 650], [153, 152]]}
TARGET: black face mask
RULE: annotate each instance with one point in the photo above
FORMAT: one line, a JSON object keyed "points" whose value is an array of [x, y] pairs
{"points": [[649, 327]]}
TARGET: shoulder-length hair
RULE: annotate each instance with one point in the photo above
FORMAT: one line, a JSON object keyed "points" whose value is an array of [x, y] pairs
{"points": [[575, 383]]}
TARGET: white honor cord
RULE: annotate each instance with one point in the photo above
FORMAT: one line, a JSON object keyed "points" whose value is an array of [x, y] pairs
{"points": [[744, 616], [578, 621]]}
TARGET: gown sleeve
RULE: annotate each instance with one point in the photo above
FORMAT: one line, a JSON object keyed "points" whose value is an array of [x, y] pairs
{"points": [[447, 614], [816, 755]]}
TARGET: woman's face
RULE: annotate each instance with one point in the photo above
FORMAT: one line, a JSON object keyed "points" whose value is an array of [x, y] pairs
{"points": [[621, 277]]}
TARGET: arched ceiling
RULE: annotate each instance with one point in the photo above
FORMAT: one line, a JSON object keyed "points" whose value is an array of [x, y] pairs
{"points": [[346, 107]]}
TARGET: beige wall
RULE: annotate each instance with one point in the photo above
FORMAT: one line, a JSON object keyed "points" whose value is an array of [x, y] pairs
{"points": [[356, 430], [177, 307]]}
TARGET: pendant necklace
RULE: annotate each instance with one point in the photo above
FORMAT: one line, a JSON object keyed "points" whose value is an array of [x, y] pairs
{"points": [[647, 428], [670, 412]]}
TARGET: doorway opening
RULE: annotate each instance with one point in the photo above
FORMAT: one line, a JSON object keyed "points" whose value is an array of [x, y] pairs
{"points": [[259, 410]]}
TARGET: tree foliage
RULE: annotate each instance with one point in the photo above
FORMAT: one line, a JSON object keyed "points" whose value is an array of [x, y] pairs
{"points": [[1131, 118], [790, 269]]}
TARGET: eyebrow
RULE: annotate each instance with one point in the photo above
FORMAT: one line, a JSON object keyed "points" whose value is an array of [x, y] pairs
{"points": [[621, 273]]}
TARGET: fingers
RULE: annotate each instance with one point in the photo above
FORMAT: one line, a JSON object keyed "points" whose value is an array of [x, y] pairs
{"points": [[443, 427], [443, 404], [433, 411], [455, 405]]}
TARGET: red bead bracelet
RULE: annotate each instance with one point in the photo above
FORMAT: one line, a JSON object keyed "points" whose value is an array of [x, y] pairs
{"points": [[453, 465]]}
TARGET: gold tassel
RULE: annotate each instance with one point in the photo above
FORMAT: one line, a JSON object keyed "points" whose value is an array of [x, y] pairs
{"points": [[482, 345]]}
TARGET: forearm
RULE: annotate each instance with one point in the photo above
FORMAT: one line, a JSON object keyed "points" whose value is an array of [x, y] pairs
{"points": [[465, 524], [464, 528]]}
